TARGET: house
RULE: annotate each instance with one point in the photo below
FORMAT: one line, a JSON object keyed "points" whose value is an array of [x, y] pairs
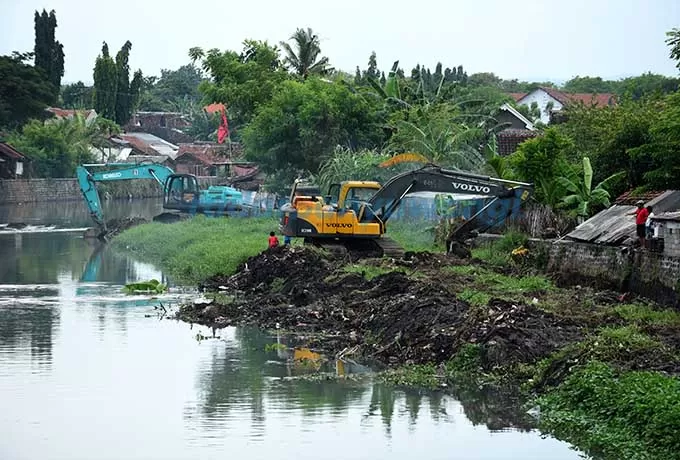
{"points": [[67, 114], [550, 101], [169, 126], [518, 128], [148, 144], [207, 158], [12, 162], [616, 225], [245, 176], [669, 232]]}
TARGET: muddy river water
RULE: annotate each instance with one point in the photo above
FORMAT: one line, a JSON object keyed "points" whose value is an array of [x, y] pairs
{"points": [[87, 372]]}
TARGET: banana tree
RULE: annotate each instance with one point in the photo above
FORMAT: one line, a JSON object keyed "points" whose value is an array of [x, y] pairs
{"points": [[582, 197]]}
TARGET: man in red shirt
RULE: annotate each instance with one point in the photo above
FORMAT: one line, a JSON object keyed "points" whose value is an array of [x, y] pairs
{"points": [[641, 215]]}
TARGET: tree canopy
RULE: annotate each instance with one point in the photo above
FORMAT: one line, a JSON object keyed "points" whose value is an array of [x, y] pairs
{"points": [[48, 52], [304, 122], [25, 93], [115, 96]]}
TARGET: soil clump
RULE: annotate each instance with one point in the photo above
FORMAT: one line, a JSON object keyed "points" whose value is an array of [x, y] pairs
{"points": [[412, 312]]}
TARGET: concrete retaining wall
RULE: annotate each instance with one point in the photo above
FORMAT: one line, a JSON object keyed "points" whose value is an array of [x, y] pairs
{"points": [[39, 190], [646, 273]]}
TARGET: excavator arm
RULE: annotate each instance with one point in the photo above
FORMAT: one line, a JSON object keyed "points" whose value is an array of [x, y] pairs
{"points": [[435, 179], [432, 178], [88, 184]]}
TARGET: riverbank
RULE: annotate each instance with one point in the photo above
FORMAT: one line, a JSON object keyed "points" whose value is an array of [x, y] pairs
{"points": [[602, 367]]}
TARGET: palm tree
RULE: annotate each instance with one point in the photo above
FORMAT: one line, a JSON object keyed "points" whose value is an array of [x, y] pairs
{"points": [[303, 60]]}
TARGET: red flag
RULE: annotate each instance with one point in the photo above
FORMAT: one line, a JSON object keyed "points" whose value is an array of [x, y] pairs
{"points": [[223, 130]]}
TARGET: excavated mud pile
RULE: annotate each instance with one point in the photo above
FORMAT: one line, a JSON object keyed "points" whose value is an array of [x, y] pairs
{"points": [[393, 318]]}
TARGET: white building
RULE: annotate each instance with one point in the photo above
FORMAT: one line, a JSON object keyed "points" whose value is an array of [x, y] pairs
{"points": [[551, 101]]}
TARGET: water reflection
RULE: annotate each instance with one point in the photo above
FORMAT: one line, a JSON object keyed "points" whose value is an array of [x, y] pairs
{"points": [[247, 369], [74, 214], [87, 372]]}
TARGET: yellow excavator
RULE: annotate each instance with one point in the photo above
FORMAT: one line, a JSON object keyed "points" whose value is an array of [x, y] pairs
{"points": [[353, 214]]}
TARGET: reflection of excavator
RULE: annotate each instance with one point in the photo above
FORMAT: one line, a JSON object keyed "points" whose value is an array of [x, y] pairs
{"points": [[181, 191], [353, 215]]}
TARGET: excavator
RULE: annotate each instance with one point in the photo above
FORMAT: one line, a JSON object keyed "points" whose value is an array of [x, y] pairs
{"points": [[353, 215], [180, 191]]}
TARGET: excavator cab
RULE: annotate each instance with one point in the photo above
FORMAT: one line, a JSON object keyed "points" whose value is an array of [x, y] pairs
{"points": [[181, 192]]}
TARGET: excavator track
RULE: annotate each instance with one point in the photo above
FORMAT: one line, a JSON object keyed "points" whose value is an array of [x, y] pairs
{"points": [[390, 248], [360, 248]]}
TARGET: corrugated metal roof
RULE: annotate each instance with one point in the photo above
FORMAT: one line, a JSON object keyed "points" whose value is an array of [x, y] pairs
{"points": [[148, 143], [616, 225]]}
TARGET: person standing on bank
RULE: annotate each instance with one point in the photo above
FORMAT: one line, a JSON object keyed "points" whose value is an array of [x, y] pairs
{"points": [[641, 214], [649, 224]]}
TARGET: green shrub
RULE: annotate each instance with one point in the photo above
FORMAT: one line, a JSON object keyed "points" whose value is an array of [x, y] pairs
{"points": [[632, 415]]}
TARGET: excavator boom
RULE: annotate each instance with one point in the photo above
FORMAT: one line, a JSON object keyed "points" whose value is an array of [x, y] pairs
{"points": [[88, 183], [180, 191]]}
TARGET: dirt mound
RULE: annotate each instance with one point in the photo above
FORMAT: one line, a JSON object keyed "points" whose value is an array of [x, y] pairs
{"points": [[393, 317], [116, 226], [279, 266], [517, 333]]}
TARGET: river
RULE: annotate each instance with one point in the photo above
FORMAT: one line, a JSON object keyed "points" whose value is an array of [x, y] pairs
{"points": [[87, 372]]}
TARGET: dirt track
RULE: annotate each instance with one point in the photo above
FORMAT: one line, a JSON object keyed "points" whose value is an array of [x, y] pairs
{"points": [[411, 313]]}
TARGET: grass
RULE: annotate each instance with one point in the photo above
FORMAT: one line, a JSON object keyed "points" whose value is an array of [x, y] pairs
{"points": [[485, 284], [196, 249], [413, 236], [646, 315]]}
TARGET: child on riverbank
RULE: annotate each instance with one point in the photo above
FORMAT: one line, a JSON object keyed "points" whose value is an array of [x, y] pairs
{"points": [[273, 240]]}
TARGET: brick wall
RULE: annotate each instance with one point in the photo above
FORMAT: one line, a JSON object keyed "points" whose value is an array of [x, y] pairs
{"points": [[39, 190], [671, 238]]}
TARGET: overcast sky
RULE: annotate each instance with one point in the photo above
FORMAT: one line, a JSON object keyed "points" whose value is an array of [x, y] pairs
{"points": [[525, 39]]}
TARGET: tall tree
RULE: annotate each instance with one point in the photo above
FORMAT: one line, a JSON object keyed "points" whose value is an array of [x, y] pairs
{"points": [[123, 99], [49, 53], [372, 71], [115, 97], [105, 84], [303, 123], [304, 59]]}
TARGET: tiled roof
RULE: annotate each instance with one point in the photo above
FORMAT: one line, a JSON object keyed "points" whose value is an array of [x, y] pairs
{"points": [[597, 100], [150, 144], [68, 113], [517, 96], [630, 198], [11, 152], [215, 107], [509, 139], [206, 153]]}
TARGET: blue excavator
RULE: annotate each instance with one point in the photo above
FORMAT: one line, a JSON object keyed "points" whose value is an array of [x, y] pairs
{"points": [[181, 192]]}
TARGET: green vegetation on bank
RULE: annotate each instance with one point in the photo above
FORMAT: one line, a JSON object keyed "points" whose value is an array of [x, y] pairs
{"points": [[195, 249], [198, 248], [615, 415]]}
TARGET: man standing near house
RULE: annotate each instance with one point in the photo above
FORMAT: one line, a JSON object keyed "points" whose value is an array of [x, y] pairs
{"points": [[649, 224], [641, 214]]}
